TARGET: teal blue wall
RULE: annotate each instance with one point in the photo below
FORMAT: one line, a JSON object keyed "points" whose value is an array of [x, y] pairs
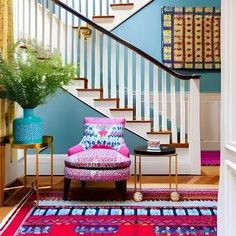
{"points": [[63, 119], [144, 31]]}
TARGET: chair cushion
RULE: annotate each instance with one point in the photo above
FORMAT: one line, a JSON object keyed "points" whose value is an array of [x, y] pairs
{"points": [[100, 175], [98, 158]]}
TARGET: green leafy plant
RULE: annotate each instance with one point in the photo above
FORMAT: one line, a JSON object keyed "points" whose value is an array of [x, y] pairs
{"points": [[32, 74]]}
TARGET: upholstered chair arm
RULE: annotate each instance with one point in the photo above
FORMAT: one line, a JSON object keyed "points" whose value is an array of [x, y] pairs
{"points": [[75, 149], [124, 150]]}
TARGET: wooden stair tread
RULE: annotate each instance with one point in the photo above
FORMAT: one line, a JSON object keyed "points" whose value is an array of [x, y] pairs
{"points": [[121, 109], [159, 132], [121, 4], [106, 99], [80, 78], [103, 17], [138, 121], [86, 90], [178, 145]]}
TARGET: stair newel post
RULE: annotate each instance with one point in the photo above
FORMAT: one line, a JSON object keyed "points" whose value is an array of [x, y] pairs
{"points": [[194, 126]]}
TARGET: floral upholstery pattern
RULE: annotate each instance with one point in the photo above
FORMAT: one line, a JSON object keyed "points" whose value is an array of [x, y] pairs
{"points": [[103, 132], [98, 159], [100, 175]]}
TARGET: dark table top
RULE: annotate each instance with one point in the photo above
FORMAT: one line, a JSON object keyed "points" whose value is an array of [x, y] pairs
{"points": [[164, 150]]}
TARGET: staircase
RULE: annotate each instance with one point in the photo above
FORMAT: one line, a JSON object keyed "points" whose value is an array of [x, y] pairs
{"points": [[120, 80]]}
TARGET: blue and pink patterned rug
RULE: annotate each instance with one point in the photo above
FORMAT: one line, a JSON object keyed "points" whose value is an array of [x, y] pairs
{"points": [[196, 214]]}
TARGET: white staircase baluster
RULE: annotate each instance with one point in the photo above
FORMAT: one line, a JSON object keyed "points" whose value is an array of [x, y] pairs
{"points": [[173, 109], [90, 8], [89, 42], [156, 107], [113, 69], [97, 8], [182, 112], [82, 51], [83, 11], [138, 87], [146, 91], [121, 76], [75, 46], [50, 6], [164, 102], [105, 67], [97, 59], [78, 7], [26, 18], [43, 23], [20, 21], [59, 29], [104, 8], [130, 79]]}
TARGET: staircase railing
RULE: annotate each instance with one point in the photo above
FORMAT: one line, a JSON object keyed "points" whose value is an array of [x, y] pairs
{"points": [[159, 95]]}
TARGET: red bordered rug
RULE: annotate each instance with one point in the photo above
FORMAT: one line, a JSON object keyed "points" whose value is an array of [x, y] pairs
{"points": [[195, 215]]}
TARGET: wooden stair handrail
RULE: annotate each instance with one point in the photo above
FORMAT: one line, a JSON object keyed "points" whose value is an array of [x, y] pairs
{"points": [[125, 43]]}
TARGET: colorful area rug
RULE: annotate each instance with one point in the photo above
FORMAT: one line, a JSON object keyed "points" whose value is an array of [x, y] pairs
{"points": [[210, 158], [55, 217]]}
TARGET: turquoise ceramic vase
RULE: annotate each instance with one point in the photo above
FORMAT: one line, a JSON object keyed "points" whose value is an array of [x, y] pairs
{"points": [[28, 129]]}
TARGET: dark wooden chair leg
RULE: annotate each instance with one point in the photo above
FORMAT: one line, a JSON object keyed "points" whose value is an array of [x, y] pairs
{"points": [[66, 188], [123, 189], [117, 185], [83, 184], [121, 186]]}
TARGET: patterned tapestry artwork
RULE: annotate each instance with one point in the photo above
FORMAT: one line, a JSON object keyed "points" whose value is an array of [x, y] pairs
{"points": [[191, 37]]}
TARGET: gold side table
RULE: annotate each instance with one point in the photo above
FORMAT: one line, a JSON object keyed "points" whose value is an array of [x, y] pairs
{"points": [[163, 151], [47, 142]]}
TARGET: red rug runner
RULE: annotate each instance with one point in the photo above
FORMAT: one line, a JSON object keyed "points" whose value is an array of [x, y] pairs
{"points": [[210, 158], [55, 217]]}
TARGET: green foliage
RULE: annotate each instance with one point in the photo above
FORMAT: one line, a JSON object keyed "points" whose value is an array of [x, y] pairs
{"points": [[32, 74]]}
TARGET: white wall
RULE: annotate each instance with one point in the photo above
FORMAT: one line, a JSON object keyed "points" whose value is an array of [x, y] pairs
{"points": [[210, 121]]}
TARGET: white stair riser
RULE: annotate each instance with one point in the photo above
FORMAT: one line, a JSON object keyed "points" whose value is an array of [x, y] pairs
{"points": [[128, 115], [139, 128], [163, 138], [103, 20], [78, 83], [122, 7], [88, 94], [108, 104]]}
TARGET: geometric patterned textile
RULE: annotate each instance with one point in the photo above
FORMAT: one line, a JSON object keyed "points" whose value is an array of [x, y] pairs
{"points": [[121, 221], [191, 37]]}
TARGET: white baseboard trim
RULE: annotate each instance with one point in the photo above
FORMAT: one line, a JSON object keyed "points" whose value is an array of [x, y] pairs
{"points": [[150, 165]]}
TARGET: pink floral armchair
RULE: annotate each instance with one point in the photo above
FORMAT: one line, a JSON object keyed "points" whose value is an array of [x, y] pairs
{"points": [[102, 155]]}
